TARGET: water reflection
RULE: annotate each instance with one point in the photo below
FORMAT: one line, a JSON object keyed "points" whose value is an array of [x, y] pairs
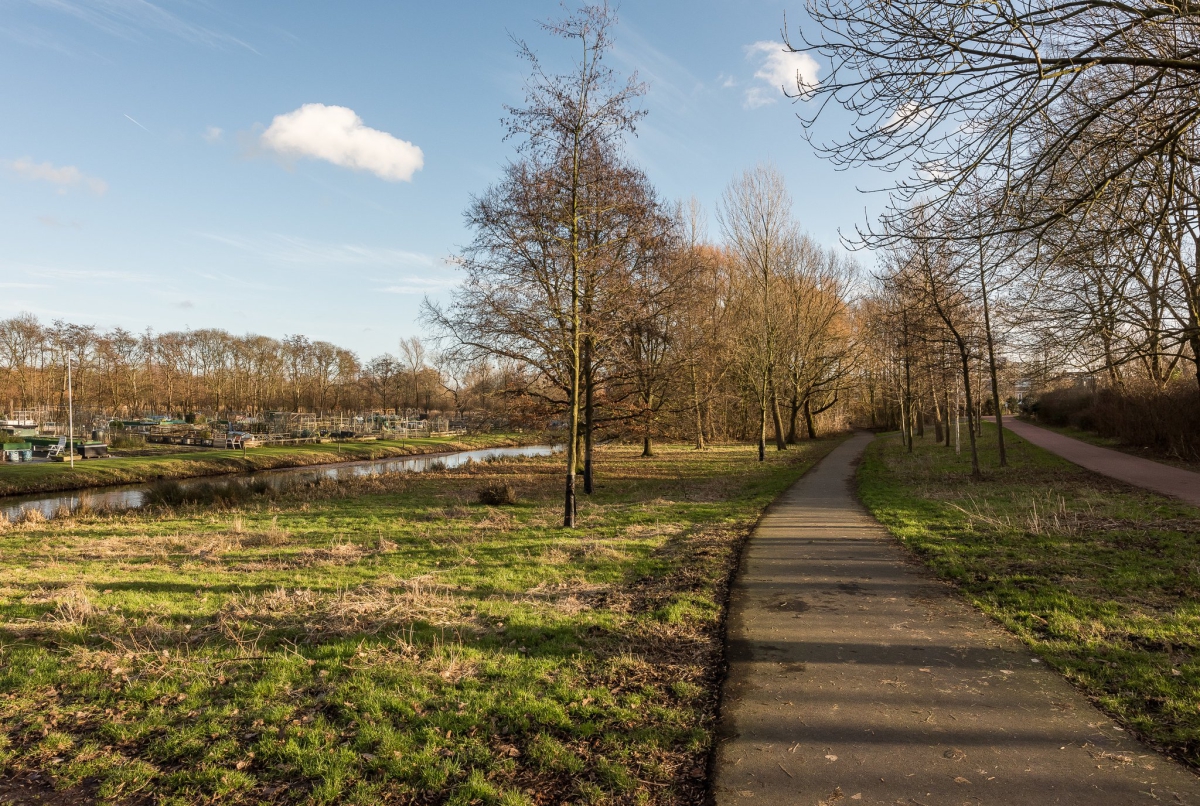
{"points": [[132, 496]]}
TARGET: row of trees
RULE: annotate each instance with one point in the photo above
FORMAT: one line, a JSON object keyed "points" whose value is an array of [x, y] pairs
{"points": [[627, 318], [119, 373], [1047, 200]]}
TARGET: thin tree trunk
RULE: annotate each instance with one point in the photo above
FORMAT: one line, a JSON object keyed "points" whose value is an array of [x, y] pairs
{"points": [[808, 420], [697, 409], [589, 417], [793, 415], [966, 367], [780, 444], [762, 422]]}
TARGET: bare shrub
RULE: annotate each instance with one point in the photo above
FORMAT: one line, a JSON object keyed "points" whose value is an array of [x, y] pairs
{"points": [[499, 493], [72, 606], [32, 517], [171, 493]]}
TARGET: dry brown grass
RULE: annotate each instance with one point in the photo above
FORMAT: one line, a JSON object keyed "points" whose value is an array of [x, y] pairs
{"points": [[365, 610]]}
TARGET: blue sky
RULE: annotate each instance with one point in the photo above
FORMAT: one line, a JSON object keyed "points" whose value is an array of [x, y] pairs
{"points": [[137, 187]]}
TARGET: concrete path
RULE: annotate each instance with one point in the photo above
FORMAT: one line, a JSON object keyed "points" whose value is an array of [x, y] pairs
{"points": [[1173, 481], [855, 677]]}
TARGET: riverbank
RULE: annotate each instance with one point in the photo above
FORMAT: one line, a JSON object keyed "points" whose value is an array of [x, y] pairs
{"points": [[385, 639], [25, 479], [1097, 577]]}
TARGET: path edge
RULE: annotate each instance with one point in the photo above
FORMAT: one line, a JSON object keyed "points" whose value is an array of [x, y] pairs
{"points": [[721, 667]]}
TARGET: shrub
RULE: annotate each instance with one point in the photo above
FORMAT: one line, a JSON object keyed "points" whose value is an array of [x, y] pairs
{"points": [[171, 493], [1166, 421], [497, 494]]}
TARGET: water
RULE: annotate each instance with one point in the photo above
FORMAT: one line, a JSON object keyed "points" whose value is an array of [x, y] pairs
{"points": [[132, 496]]}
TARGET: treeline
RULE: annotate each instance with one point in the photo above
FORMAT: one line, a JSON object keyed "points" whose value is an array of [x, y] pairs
{"points": [[1047, 179], [118, 373], [629, 320]]}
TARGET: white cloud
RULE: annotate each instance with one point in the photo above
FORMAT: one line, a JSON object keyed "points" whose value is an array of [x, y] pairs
{"points": [[907, 116], [65, 176], [780, 70], [336, 134], [213, 134]]}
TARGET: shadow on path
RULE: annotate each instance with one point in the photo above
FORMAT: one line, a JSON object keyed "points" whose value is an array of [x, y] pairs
{"points": [[856, 678]]}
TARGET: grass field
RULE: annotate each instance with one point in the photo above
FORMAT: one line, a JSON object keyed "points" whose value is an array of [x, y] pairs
{"points": [[19, 479], [384, 639], [1100, 579]]}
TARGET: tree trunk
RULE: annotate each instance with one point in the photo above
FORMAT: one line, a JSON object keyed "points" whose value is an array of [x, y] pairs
{"points": [[937, 420], [908, 396], [647, 448], [966, 368], [697, 409], [946, 400], [762, 422], [794, 413], [808, 420], [589, 417], [780, 444]]}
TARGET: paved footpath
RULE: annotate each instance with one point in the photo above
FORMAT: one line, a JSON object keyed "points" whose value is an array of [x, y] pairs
{"points": [[1155, 476], [855, 677]]}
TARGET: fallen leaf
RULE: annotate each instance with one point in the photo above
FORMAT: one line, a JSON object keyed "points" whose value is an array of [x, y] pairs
{"points": [[961, 780], [831, 757]]}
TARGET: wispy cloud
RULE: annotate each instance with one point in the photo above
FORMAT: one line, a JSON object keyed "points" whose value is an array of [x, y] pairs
{"points": [[778, 70], [39, 273], [287, 249], [337, 135], [420, 285], [65, 176], [670, 82], [213, 134], [132, 19], [55, 223]]}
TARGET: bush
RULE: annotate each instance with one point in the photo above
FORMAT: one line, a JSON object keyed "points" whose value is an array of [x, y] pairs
{"points": [[497, 494], [171, 493], [1167, 421]]}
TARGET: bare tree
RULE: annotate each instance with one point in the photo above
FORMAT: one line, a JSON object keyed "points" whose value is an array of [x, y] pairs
{"points": [[756, 218], [527, 269]]}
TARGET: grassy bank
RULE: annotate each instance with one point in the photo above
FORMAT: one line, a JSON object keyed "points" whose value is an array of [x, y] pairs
{"points": [[384, 639], [21, 479], [1100, 579]]}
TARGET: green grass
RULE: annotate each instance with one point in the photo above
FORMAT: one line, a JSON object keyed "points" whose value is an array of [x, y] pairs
{"points": [[385, 639], [1101, 580], [19, 479]]}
